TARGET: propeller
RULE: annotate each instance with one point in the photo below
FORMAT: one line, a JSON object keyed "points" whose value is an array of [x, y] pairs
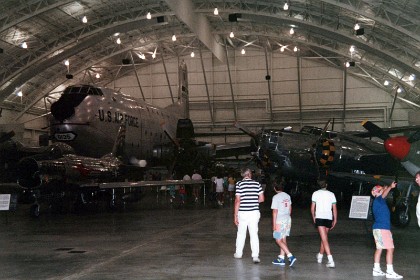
{"points": [[398, 146]]}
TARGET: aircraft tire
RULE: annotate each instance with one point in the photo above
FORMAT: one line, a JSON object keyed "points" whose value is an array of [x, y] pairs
{"points": [[34, 210], [401, 217]]}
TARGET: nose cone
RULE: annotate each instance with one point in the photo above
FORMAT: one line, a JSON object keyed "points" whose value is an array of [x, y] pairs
{"points": [[398, 146]]}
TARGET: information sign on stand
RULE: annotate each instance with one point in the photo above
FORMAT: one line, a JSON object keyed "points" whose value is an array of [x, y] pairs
{"points": [[4, 202], [359, 208]]}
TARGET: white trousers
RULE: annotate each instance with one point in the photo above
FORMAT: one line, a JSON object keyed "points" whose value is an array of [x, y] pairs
{"points": [[248, 220]]}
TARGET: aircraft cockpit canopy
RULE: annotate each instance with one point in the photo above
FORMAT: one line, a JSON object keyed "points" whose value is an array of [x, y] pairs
{"points": [[86, 90]]}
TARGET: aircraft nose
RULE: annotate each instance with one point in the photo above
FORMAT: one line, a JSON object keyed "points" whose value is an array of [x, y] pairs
{"points": [[398, 147], [64, 107]]}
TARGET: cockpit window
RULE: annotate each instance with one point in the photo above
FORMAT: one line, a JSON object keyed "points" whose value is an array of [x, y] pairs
{"points": [[88, 90]]}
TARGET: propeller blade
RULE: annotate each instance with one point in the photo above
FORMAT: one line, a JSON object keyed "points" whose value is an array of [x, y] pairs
{"points": [[375, 130], [165, 129], [414, 137], [245, 130]]}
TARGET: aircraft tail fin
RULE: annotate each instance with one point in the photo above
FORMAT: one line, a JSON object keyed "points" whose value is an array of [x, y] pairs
{"points": [[181, 107]]}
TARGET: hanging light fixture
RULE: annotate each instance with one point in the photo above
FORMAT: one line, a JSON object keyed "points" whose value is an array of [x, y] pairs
{"points": [[97, 76], [386, 83], [173, 38], [192, 54], [243, 51], [295, 49], [216, 11], [84, 19], [292, 31], [231, 35], [286, 6], [118, 41], [149, 15], [24, 45]]}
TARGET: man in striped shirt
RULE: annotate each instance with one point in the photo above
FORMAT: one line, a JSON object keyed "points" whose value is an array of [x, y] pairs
{"points": [[249, 195]]}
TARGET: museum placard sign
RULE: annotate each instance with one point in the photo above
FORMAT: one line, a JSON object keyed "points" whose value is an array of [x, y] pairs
{"points": [[359, 208]]}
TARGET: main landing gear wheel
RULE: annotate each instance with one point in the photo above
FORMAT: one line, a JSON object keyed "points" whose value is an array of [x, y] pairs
{"points": [[401, 217]]}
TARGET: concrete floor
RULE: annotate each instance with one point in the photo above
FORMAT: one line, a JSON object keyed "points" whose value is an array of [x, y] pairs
{"points": [[152, 240]]}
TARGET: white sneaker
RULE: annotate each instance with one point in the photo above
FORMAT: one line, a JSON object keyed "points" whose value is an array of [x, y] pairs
{"points": [[393, 275], [236, 256], [256, 260], [378, 272], [319, 258], [330, 264]]}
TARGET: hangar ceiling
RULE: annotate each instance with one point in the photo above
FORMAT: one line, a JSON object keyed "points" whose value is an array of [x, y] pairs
{"points": [[118, 34]]}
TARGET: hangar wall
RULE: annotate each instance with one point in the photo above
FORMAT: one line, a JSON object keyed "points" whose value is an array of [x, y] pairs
{"points": [[304, 91]]}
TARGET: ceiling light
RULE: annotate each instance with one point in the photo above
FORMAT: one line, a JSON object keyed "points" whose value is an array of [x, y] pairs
{"points": [[292, 31], [97, 76], [216, 11], [141, 55], [295, 49], [173, 38], [399, 90], [149, 15], [231, 35], [412, 77], [84, 19], [286, 6], [24, 45], [386, 83], [117, 34], [67, 62], [192, 54], [118, 41], [352, 49], [243, 51], [282, 48], [19, 93], [356, 26], [350, 64]]}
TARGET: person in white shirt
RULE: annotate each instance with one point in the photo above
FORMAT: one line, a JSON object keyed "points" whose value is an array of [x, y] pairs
{"points": [[282, 223], [324, 216], [418, 201]]}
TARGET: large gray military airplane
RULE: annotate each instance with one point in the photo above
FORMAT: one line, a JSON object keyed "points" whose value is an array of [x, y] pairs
{"points": [[87, 118]]}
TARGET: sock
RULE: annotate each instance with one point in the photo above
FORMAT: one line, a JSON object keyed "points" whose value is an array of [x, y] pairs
{"points": [[377, 266], [330, 258], [289, 255], [389, 268], [281, 257], [320, 255]]}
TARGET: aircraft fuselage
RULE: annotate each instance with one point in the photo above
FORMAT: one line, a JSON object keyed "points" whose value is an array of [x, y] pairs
{"points": [[91, 124]]}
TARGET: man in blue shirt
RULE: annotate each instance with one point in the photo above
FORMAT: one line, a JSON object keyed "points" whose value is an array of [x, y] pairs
{"points": [[382, 232]]}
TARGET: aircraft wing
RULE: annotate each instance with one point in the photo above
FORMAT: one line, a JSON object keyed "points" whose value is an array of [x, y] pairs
{"points": [[114, 185], [234, 149], [403, 182]]}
